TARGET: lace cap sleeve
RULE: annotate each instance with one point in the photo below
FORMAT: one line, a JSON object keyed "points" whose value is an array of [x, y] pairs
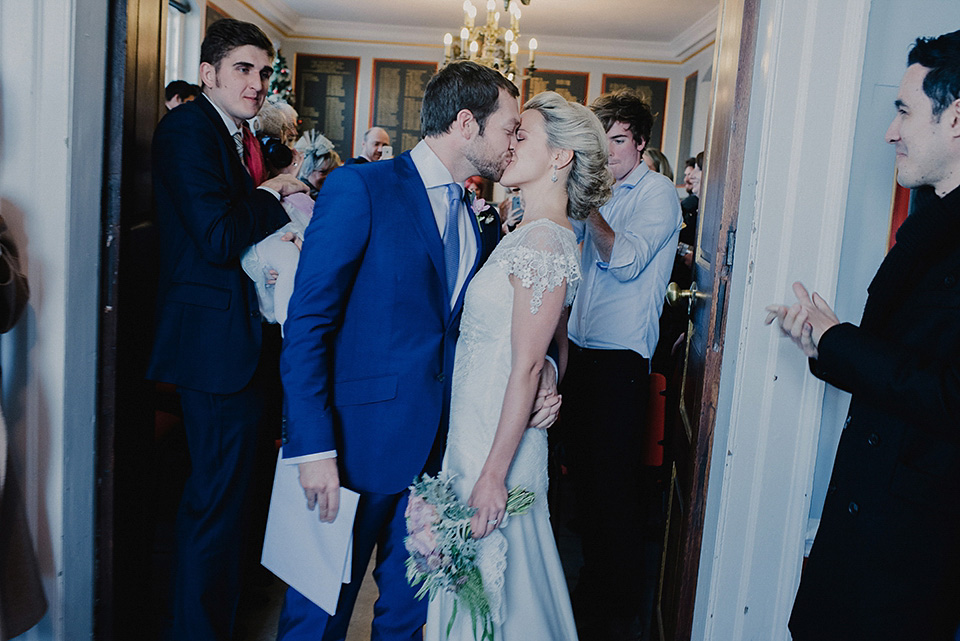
{"points": [[541, 258]]}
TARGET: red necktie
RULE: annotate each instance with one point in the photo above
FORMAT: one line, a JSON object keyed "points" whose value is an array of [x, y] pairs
{"points": [[253, 156]]}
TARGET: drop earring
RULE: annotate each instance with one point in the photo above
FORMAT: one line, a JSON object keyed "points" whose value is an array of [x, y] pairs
{"points": [[553, 177]]}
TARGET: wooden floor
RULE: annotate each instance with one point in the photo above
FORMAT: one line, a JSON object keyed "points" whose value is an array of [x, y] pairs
{"points": [[260, 623]]}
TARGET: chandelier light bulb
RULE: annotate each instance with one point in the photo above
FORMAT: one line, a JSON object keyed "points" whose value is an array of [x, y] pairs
{"points": [[472, 10], [464, 33], [508, 36], [474, 47], [447, 39], [514, 49], [533, 44]]}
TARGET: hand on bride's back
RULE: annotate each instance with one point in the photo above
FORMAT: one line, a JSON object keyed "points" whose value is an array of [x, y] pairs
{"points": [[489, 496]]}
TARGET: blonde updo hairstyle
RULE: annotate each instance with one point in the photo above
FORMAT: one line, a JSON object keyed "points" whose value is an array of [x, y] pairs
{"points": [[570, 125]]}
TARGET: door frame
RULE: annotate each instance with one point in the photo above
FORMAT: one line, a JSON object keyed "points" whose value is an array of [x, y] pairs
{"points": [[803, 106]]}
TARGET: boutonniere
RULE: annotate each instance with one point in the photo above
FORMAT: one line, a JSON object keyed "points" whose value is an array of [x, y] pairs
{"points": [[485, 213]]}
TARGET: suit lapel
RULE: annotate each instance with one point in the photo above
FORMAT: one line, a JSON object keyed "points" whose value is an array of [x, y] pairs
{"points": [[414, 194], [475, 226], [236, 165]]}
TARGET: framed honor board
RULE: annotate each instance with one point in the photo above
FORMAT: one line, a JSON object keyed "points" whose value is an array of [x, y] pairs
{"points": [[397, 95], [213, 14], [325, 88], [572, 85], [686, 122], [654, 93]]}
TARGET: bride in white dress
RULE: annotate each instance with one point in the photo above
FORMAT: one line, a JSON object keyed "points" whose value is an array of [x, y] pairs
{"points": [[515, 305]]}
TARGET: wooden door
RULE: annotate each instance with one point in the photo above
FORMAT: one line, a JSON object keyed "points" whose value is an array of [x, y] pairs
{"points": [[717, 224], [125, 502]]}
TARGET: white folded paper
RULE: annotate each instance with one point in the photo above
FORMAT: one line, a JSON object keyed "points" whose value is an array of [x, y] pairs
{"points": [[312, 557]]}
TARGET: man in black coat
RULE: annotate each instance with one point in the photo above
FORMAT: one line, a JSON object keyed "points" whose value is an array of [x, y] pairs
{"points": [[209, 333], [886, 560]]}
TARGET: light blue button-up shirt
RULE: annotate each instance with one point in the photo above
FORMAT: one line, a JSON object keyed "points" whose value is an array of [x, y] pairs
{"points": [[619, 302]]}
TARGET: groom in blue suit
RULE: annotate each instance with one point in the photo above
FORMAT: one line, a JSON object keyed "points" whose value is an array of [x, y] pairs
{"points": [[373, 323]]}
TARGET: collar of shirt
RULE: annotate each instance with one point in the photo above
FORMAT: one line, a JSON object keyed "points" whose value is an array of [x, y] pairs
{"points": [[436, 177], [232, 127], [428, 164], [634, 177]]}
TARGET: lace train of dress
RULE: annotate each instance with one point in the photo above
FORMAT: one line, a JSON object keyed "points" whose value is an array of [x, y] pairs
{"points": [[528, 593]]}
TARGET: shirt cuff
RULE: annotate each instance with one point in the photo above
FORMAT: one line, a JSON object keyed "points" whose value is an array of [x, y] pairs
{"points": [[556, 370], [308, 458], [276, 194]]}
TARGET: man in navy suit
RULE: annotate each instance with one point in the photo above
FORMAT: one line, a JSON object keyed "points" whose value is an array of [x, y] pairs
{"points": [[369, 342], [209, 333]]}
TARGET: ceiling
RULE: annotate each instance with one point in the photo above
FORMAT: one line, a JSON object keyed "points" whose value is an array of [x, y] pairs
{"points": [[648, 21]]}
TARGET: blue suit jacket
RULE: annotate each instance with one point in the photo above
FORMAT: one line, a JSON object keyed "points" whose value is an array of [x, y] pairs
{"points": [[208, 331], [370, 337]]}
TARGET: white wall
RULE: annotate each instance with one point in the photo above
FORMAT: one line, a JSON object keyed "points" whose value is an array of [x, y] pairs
{"points": [[52, 84]]}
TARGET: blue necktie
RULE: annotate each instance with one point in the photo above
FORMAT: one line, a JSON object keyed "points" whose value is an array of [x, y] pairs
{"points": [[451, 236]]}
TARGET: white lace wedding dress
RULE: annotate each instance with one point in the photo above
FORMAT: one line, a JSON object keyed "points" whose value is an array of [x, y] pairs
{"points": [[519, 562]]}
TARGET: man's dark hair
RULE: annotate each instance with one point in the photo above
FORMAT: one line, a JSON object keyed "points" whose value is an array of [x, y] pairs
{"points": [[181, 88], [457, 86], [628, 107], [690, 162], [223, 36], [699, 161], [942, 57]]}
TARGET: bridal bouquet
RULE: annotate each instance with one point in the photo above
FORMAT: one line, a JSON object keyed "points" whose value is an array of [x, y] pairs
{"points": [[443, 555]]}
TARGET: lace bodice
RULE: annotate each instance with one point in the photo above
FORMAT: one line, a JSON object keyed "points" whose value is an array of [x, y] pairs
{"points": [[541, 256]]}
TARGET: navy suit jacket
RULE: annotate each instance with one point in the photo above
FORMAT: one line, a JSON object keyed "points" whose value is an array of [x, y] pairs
{"points": [[208, 333], [370, 337]]}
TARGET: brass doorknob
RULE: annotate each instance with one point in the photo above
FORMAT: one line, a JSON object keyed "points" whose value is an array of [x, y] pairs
{"points": [[676, 296]]}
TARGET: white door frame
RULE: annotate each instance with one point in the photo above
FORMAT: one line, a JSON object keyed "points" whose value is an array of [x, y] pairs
{"points": [[806, 86]]}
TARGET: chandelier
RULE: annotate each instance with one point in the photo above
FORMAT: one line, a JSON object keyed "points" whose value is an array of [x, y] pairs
{"points": [[491, 45]]}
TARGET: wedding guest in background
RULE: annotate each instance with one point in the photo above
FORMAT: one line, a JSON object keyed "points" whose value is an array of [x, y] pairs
{"points": [[22, 602], [319, 159], [657, 162], [371, 149], [628, 250], [272, 262], [179, 92], [278, 119], [209, 336]]}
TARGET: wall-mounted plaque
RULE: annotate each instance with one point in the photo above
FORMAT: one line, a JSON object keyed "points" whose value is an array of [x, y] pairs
{"points": [[686, 123], [653, 91], [572, 85], [213, 14], [325, 88], [397, 95]]}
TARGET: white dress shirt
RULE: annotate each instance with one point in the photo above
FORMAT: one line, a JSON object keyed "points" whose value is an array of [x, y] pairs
{"points": [[619, 302]]}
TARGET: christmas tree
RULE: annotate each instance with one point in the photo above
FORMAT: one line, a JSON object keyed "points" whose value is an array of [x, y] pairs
{"points": [[280, 80]]}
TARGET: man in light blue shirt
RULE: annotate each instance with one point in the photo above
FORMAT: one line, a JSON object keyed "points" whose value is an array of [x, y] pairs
{"points": [[628, 250]]}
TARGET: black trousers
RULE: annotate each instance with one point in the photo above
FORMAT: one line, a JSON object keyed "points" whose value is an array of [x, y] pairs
{"points": [[605, 397], [223, 507]]}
